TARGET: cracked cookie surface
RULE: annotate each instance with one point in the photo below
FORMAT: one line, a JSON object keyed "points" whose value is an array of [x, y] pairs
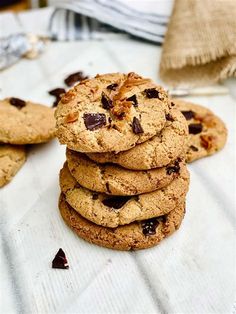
{"points": [[115, 180], [135, 236], [207, 132], [24, 122], [11, 160], [112, 211], [111, 112], [156, 152]]}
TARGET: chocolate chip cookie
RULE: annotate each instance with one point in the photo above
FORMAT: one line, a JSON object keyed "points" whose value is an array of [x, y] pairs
{"points": [[115, 180], [112, 211], [207, 132], [135, 236], [159, 151], [111, 112], [24, 122], [11, 160]]}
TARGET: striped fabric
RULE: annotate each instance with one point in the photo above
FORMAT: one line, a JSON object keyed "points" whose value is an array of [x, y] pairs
{"points": [[96, 19]]}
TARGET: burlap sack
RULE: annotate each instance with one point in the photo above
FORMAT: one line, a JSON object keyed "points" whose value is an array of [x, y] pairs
{"points": [[200, 44]]}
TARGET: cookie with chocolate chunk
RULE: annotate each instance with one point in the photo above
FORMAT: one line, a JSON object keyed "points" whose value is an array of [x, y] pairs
{"points": [[112, 211], [11, 160], [24, 122], [115, 180], [111, 112], [159, 151], [134, 236], [207, 132]]}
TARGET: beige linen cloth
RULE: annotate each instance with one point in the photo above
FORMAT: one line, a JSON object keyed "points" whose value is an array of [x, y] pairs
{"points": [[200, 44]]}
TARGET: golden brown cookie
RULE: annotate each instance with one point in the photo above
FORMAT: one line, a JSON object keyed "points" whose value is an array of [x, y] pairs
{"points": [[112, 211], [207, 132], [159, 151], [24, 122], [115, 180], [135, 236], [11, 160], [111, 112]]}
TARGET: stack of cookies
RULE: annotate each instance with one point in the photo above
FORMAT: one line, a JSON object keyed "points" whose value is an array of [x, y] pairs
{"points": [[124, 182]]}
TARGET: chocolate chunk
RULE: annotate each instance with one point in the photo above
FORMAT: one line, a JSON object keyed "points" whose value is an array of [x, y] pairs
{"points": [[172, 104], [152, 93], [112, 86], [116, 202], [134, 100], [57, 92], [194, 148], [149, 226], [94, 121], [74, 78], [60, 260], [173, 169], [169, 117], [106, 102], [195, 128], [95, 196], [17, 102], [136, 126], [188, 114], [108, 188]]}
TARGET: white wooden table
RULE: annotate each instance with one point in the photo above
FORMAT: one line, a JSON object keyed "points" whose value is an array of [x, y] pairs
{"points": [[191, 272]]}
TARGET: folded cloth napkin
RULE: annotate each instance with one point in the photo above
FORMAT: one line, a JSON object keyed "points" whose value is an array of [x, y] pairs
{"points": [[200, 43], [85, 19]]}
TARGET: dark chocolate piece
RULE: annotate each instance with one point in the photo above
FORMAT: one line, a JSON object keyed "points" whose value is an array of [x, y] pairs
{"points": [[57, 92], [106, 101], [116, 202], [112, 86], [95, 196], [94, 121], [169, 117], [188, 114], [17, 102], [74, 78], [152, 93], [60, 260], [173, 169], [149, 226], [136, 126], [195, 128], [134, 100]]}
